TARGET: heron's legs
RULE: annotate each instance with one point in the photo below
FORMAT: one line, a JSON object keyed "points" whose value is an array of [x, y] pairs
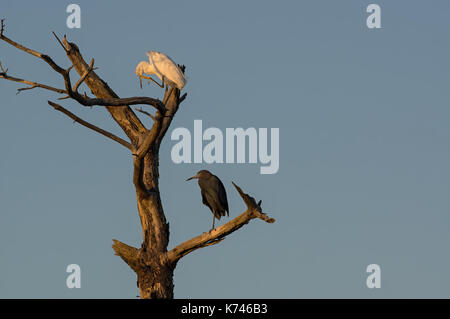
{"points": [[214, 219], [150, 78]]}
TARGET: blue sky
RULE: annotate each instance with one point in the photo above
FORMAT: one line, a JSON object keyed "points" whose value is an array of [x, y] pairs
{"points": [[364, 148]]}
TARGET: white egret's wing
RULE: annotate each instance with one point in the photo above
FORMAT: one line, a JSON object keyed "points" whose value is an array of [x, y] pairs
{"points": [[158, 57], [168, 68]]}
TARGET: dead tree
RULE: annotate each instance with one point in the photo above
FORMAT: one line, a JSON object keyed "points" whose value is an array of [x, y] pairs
{"points": [[153, 262]]}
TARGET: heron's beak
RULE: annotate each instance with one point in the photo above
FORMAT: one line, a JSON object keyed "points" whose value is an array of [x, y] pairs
{"points": [[191, 178]]}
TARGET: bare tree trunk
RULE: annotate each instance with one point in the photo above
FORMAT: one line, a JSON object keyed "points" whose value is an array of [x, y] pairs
{"points": [[152, 262], [155, 275]]}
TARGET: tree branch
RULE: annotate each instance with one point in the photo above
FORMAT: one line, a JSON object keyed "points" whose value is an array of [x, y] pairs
{"points": [[59, 41], [4, 75], [44, 57], [120, 102], [146, 113], [2, 69], [215, 236], [182, 98], [148, 139], [117, 101], [83, 77], [90, 126], [129, 254], [2, 28]]}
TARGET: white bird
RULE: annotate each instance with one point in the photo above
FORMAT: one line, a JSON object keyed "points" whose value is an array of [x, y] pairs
{"points": [[164, 67]]}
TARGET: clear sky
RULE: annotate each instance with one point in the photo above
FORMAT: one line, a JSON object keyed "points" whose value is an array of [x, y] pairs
{"points": [[364, 171]]}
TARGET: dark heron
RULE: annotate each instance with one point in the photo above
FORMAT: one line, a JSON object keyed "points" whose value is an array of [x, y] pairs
{"points": [[213, 193]]}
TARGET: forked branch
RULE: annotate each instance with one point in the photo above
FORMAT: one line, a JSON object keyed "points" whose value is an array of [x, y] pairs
{"points": [[32, 85]]}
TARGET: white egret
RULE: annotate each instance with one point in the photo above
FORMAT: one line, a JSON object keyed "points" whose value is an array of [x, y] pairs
{"points": [[163, 66]]}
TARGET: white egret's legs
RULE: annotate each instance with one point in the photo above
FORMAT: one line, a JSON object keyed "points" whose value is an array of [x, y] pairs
{"points": [[150, 78]]}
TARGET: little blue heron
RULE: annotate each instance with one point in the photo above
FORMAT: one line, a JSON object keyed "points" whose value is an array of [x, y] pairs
{"points": [[163, 66], [213, 193]]}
